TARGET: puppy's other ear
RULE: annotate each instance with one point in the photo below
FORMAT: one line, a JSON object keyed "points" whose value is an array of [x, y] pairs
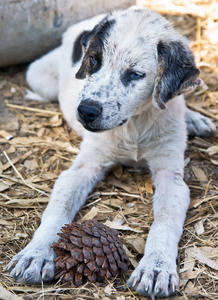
{"points": [[177, 72], [86, 38], [81, 74]]}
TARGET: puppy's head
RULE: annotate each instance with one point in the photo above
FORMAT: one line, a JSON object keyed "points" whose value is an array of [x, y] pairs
{"points": [[130, 58]]}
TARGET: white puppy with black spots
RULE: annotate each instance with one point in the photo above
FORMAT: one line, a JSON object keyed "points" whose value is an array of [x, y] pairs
{"points": [[123, 95]]}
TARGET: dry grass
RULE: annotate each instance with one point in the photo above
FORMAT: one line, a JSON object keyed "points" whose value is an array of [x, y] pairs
{"points": [[43, 145]]}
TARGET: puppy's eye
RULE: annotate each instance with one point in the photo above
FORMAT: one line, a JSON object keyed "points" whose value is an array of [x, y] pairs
{"points": [[93, 61], [135, 75]]}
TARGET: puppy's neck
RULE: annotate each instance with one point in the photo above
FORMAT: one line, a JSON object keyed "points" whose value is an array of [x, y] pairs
{"points": [[146, 113]]}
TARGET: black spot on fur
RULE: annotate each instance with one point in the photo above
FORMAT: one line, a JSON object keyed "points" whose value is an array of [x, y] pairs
{"points": [[126, 78], [118, 105], [77, 49], [97, 94]]}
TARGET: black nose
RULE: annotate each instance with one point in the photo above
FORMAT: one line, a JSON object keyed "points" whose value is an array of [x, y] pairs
{"points": [[89, 110]]}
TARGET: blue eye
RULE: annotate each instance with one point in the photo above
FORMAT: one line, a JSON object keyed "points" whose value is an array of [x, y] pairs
{"points": [[135, 76], [93, 61]]}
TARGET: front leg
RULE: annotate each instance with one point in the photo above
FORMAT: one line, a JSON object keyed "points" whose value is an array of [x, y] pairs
{"points": [[35, 263], [156, 273]]}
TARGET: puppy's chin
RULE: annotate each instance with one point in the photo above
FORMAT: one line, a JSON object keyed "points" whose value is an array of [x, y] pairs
{"points": [[91, 128]]}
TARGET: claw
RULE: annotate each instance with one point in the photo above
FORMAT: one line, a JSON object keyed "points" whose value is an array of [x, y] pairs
{"points": [[146, 288], [135, 281], [18, 271], [11, 265], [44, 274]]}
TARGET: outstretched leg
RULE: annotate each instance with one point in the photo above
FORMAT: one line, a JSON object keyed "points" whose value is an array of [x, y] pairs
{"points": [[35, 263], [198, 125], [156, 273]]}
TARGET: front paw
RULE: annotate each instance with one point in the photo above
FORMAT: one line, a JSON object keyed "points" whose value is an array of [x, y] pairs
{"points": [[33, 265], [155, 276]]}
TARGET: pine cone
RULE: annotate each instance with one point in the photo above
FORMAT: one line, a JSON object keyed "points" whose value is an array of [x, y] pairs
{"points": [[88, 251]]}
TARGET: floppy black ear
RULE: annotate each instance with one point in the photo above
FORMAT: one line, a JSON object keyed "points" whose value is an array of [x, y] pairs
{"points": [[177, 72], [92, 43], [81, 73], [84, 41], [86, 38]]}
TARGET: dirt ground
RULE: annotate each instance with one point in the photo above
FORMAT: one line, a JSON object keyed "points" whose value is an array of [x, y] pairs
{"points": [[43, 145]]}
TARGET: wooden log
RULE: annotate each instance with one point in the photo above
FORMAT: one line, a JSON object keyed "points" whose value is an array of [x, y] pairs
{"points": [[30, 28]]}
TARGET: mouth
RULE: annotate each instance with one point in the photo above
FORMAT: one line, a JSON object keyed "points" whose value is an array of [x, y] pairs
{"points": [[93, 129], [123, 122], [90, 128]]}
